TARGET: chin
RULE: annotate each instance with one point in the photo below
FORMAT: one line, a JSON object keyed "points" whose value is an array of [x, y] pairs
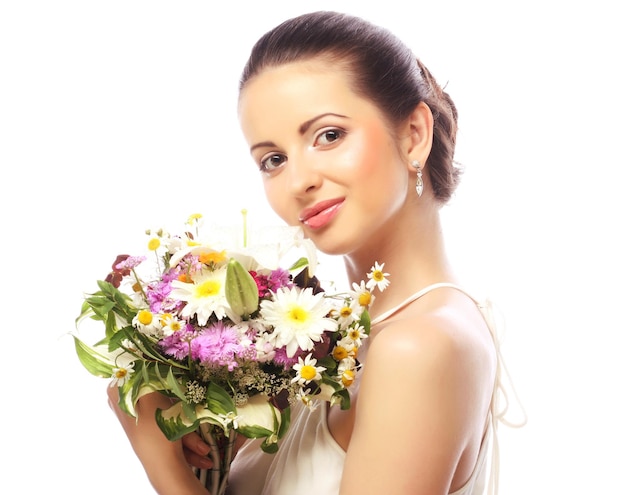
{"points": [[328, 244]]}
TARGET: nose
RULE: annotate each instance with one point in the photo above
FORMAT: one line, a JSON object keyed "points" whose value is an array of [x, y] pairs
{"points": [[304, 174]]}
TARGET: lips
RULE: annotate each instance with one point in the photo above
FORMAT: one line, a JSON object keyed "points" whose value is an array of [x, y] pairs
{"points": [[321, 213]]}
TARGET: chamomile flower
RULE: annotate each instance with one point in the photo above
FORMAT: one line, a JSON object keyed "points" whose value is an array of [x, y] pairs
{"points": [[170, 324], [356, 334], [377, 277], [298, 318], [345, 315], [362, 297], [306, 370], [146, 323], [122, 374], [204, 295], [347, 370], [347, 377]]}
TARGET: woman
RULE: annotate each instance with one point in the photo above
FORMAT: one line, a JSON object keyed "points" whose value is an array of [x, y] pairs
{"points": [[355, 142]]}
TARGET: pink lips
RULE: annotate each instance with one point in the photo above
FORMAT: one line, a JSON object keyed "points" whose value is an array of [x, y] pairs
{"points": [[321, 213]]}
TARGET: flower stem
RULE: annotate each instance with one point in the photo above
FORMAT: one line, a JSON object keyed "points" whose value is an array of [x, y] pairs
{"points": [[244, 214], [217, 479]]}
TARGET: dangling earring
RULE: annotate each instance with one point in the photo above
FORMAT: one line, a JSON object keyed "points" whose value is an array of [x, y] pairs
{"points": [[419, 185]]}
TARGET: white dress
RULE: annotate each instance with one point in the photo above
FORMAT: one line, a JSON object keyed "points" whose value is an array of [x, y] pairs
{"points": [[309, 459]]}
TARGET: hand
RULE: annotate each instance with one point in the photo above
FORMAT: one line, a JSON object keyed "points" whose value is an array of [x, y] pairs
{"points": [[196, 451]]}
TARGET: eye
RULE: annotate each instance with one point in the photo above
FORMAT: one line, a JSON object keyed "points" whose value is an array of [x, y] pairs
{"points": [[272, 162], [329, 136]]}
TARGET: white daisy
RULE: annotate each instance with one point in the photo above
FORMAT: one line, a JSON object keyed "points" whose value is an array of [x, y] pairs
{"points": [[146, 323], [306, 370], [377, 277], [122, 373], [346, 314], [356, 334], [298, 317], [361, 297], [204, 295], [170, 324]]}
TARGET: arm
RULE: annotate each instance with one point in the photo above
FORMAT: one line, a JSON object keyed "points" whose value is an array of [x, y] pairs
{"points": [[420, 411], [164, 461]]}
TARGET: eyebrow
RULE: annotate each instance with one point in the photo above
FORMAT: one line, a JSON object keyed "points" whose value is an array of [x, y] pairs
{"points": [[305, 126], [302, 129]]}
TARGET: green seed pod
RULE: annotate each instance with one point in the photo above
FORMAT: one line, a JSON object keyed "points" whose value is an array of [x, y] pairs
{"points": [[241, 290]]}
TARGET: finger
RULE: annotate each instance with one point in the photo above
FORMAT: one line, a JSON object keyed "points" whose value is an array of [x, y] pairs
{"points": [[196, 460], [193, 442]]}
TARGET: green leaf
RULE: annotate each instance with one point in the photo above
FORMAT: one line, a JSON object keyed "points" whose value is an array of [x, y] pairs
{"points": [[174, 385], [364, 321], [269, 446], [299, 264], [344, 399], [329, 363], [95, 362], [285, 421], [254, 431], [218, 400], [175, 423]]}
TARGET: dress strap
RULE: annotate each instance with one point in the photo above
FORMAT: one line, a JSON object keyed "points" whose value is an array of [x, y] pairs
{"points": [[416, 296]]}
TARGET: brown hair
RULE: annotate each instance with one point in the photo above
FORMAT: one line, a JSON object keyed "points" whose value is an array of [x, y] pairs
{"points": [[385, 71]]}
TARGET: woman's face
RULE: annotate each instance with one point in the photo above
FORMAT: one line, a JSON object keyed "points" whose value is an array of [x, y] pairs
{"points": [[328, 160]]}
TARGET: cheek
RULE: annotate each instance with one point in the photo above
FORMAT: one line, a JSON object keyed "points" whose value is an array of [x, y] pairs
{"points": [[278, 201], [373, 156]]}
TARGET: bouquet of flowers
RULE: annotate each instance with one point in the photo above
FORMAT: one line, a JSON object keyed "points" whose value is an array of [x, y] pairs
{"points": [[226, 332]]}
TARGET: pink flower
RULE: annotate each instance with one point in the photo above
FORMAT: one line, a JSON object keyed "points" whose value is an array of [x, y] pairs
{"points": [[129, 263], [218, 345], [177, 344], [282, 359]]}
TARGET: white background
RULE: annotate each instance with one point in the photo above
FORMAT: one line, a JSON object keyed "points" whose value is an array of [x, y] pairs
{"points": [[121, 115]]}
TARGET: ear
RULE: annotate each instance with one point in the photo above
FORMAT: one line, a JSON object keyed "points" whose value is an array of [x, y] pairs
{"points": [[420, 134]]}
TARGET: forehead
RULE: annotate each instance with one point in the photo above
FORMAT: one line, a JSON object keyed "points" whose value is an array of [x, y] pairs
{"points": [[297, 91]]}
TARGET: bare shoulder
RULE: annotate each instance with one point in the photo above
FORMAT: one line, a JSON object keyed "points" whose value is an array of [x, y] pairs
{"points": [[447, 329], [431, 373]]}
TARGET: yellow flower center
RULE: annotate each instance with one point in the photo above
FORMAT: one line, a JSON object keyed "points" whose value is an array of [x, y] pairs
{"points": [[340, 352], [345, 311], [347, 378], [144, 317], [308, 372], [208, 288], [154, 243], [354, 334], [297, 314], [121, 373], [365, 298], [378, 276]]}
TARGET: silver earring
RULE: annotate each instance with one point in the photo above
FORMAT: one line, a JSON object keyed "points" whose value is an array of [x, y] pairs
{"points": [[419, 185]]}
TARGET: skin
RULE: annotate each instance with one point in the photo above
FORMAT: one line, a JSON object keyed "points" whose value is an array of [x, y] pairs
{"points": [[429, 370]]}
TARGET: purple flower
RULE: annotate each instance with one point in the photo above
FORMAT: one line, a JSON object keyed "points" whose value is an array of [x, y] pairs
{"points": [[279, 278], [157, 293], [130, 263], [177, 344], [218, 345], [282, 359]]}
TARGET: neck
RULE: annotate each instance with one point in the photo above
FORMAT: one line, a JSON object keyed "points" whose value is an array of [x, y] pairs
{"points": [[414, 256]]}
